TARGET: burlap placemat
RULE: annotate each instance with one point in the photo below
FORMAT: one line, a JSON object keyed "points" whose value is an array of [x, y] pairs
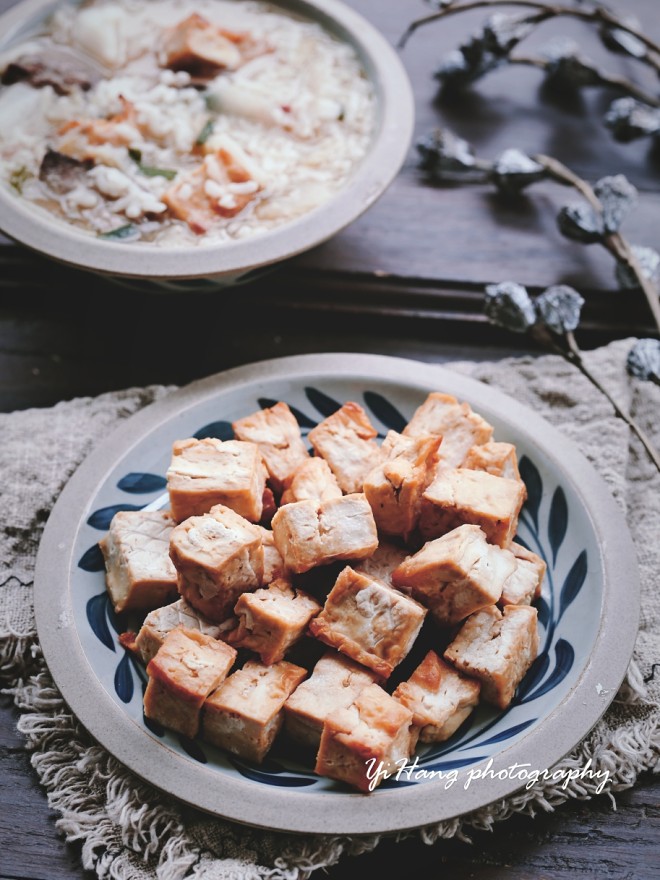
{"points": [[128, 829]]}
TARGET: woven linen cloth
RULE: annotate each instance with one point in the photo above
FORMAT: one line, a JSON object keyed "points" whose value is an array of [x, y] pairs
{"points": [[130, 830]]}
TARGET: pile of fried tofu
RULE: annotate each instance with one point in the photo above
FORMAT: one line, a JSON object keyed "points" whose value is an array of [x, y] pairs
{"points": [[418, 530]]}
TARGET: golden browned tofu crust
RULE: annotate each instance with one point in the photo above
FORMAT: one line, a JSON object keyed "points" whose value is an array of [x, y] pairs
{"points": [[462, 495], [439, 697], [311, 533], [274, 566], [158, 623], [334, 683], [244, 715], [346, 441], [498, 459], [187, 667], [312, 481], [497, 648], [277, 434], [374, 731], [217, 556], [457, 574], [524, 585], [139, 572], [207, 472], [271, 621], [368, 621], [394, 487], [381, 564], [459, 427]]}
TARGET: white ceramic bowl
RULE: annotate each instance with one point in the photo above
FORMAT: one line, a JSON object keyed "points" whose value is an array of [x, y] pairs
{"points": [[215, 264]]}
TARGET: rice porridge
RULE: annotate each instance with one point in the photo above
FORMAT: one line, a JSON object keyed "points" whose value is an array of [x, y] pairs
{"points": [[181, 121]]}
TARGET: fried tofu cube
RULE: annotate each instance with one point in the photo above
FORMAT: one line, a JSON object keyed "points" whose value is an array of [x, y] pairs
{"points": [[368, 621], [158, 623], [201, 48], [497, 649], [245, 714], [309, 533], [457, 424], [457, 574], [383, 562], [139, 572], [207, 472], [217, 556], [466, 496], [334, 683], [498, 459], [524, 585], [374, 733], [271, 621], [394, 487], [312, 481], [439, 698], [346, 441], [188, 666], [274, 566], [277, 434]]}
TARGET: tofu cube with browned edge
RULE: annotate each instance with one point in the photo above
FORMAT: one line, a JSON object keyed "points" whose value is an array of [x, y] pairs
{"points": [[311, 533], [217, 556], [498, 459], [457, 424], [245, 714], [497, 649], [381, 564], [158, 623], [277, 434], [346, 441], [463, 496], [187, 667], [524, 585], [334, 683], [394, 486], [207, 472], [139, 574], [439, 697], [271, 621], [274, 566], [312, 481], [375, 733], [456, 575], [368, 621]]}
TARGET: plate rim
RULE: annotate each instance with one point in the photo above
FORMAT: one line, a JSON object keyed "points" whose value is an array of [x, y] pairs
{"points": [[386, 811]]}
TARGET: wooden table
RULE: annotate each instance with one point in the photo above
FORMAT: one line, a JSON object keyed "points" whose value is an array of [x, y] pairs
{"points": [[406, 279]]}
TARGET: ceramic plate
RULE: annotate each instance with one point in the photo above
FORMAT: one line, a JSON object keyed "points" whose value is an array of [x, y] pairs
{"points": [[588, 613]]}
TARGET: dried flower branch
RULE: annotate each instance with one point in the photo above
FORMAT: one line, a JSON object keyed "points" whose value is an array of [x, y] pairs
{"points": [[636, 115], [551, 319]]}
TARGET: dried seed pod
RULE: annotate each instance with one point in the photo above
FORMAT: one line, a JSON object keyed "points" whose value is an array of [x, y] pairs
{"points": [[514, 170], [617, 196], [580, 222], [618, 40], [649, 264], [629, 119], [509, 305], [567, 67], [644, 360], [559, 307], [448, 157], [503, 31]]}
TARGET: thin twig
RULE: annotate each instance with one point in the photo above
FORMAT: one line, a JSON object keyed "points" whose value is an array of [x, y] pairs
{"points": [[598, 15], [615, 243]]}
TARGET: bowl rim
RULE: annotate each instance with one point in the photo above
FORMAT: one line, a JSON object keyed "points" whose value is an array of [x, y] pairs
{"points": [[388, 811], [42, 232]]}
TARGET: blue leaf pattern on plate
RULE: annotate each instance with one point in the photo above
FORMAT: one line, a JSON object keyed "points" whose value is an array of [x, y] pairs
{"points": [[96, 617], [124, 680], [557, 522], [532, 479], [141, 484], [535, 674], [573, 583], [509, 732], [220, 430], [564, 656], [386, 412], [320, 401], [303, 420], [259, 775], [193, 748], [92, 559], [156, 728], [544, 612], [102, 517]]}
